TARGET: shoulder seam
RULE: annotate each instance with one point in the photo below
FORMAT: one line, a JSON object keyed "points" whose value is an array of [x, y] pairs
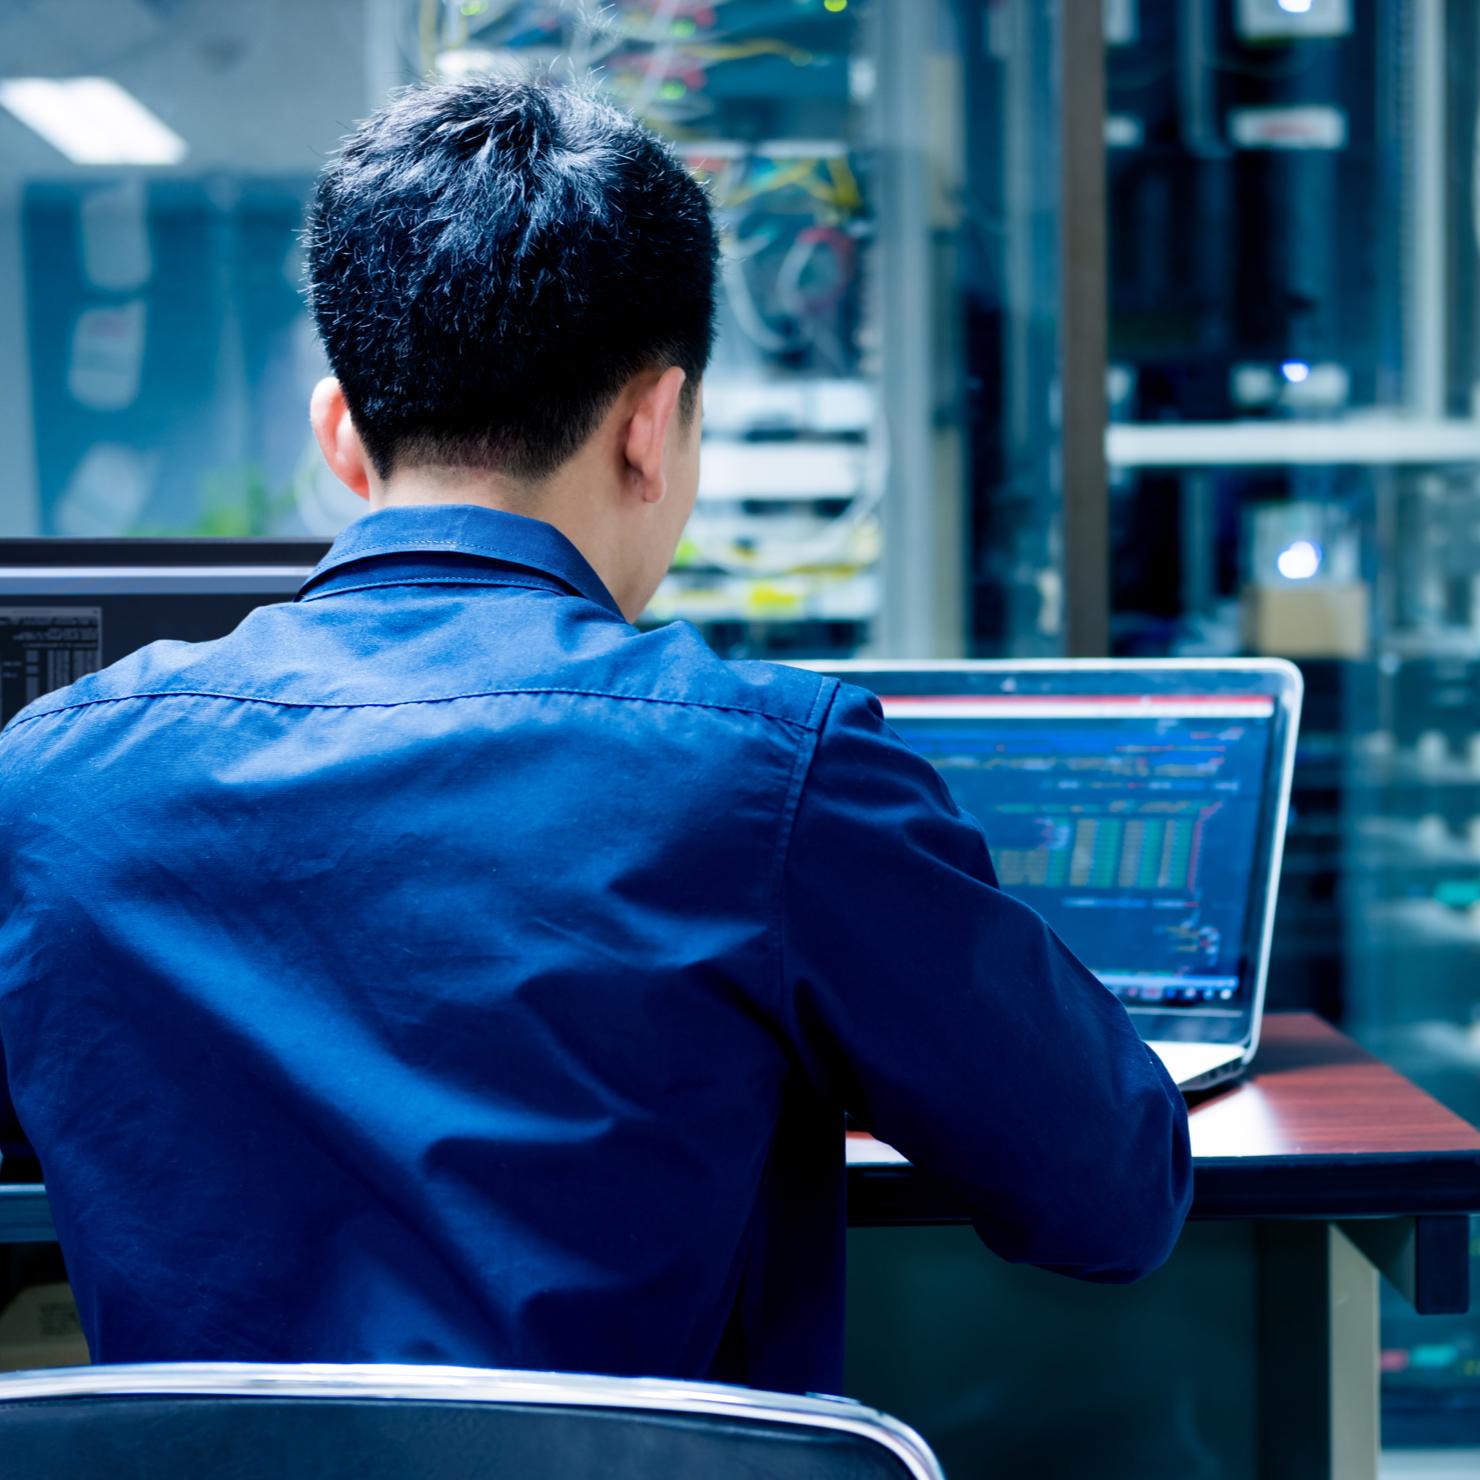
{"points": [[27, 719]]}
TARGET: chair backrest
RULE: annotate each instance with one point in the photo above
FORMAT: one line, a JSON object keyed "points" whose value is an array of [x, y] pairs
{"points": [[244, 1421]]}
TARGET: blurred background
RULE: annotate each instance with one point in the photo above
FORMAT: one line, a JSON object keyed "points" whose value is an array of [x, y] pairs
{"points": [[1150, 328]]}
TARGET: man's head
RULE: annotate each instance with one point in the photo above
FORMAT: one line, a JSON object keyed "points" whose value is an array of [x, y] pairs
{"points": [[514, 283]]}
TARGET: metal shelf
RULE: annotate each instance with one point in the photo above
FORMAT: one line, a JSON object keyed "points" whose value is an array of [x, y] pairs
{"points": [[1377, 441]]}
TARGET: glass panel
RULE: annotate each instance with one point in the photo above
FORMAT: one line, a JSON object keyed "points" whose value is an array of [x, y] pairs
{"points": [[770, 104], [154, 354], [880, 404], [1007, 266], [1295, 469]]}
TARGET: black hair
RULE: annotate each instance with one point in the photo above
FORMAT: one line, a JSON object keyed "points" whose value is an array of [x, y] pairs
{"points": [[491, 260]]}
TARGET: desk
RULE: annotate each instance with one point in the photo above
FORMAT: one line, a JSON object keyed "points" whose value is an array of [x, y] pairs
{"points": [[1253, 1352]]}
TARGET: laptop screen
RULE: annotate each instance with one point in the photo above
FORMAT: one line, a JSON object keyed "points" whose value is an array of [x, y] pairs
{"points": [[1130, 822]]}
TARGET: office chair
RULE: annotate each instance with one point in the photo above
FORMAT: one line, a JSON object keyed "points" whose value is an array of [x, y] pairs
{"points": [[244, 1421]]}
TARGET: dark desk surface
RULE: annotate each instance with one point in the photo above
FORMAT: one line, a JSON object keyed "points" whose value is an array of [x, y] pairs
{"points": [[1317, 1129]]}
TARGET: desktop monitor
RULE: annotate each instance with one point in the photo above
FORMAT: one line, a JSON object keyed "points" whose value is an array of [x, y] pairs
{"points": [[68, 607]]}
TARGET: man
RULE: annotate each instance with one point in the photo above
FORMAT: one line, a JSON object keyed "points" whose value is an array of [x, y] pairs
{"points": [[438, 968]]}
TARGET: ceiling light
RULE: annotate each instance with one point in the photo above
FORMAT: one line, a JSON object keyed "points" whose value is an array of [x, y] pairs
{"points": [[92, 120]]}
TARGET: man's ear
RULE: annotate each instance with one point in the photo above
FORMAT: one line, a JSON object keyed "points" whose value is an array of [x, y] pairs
{"points": [[337, 438], [647, 433]]}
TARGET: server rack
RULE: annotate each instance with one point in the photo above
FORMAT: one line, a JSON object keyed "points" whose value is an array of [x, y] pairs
{"points": [[1295, 469]]}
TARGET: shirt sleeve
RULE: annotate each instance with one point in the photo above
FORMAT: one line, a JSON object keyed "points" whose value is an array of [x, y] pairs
{"points": [[951, 1021]]}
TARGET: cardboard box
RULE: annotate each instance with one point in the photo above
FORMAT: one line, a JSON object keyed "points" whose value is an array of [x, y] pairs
{"points": [[1309, 620], [40, 1328]]}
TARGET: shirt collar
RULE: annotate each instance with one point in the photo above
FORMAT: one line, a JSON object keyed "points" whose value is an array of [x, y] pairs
{"points": [[464, 529]]}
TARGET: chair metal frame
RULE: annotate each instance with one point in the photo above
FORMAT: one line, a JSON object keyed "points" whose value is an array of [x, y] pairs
{"points": [[474, 1385]]}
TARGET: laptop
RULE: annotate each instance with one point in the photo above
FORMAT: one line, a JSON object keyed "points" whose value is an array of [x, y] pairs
{"points": [[1139, 807]]}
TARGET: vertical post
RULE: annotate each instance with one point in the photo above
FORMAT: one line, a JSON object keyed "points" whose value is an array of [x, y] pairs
{"points": [[1199, 544], [1426, 269], [924, 559], [1318, 1413], [1355, 1400], [385, 67], [1083, 329], [20, 510]]}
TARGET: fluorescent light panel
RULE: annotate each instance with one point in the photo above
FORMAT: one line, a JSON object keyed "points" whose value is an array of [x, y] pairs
{"points": [[92, 120]]}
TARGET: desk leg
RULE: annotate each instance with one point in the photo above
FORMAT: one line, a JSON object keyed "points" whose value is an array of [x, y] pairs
{"points": [[1254, 1353], [1318, 1349]]}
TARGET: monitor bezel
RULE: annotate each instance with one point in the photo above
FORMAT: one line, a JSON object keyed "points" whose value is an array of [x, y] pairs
{"points": [[64, 567], [1277, 678]]}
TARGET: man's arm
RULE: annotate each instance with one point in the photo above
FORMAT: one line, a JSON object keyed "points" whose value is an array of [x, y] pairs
{"points": [[952, 1022]]}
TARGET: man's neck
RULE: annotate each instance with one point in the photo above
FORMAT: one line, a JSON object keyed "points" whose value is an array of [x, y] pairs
{"points": [[556, 502]]}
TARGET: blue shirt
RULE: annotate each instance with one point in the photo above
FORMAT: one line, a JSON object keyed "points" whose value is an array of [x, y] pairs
{"points": [[438, 968]]}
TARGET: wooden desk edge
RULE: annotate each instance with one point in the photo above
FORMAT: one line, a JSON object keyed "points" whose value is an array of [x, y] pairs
{"points": [[1318, 1188]]}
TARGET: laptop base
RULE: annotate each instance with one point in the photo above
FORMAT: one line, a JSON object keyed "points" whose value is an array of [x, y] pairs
{"points": [[1199, 1065]]}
